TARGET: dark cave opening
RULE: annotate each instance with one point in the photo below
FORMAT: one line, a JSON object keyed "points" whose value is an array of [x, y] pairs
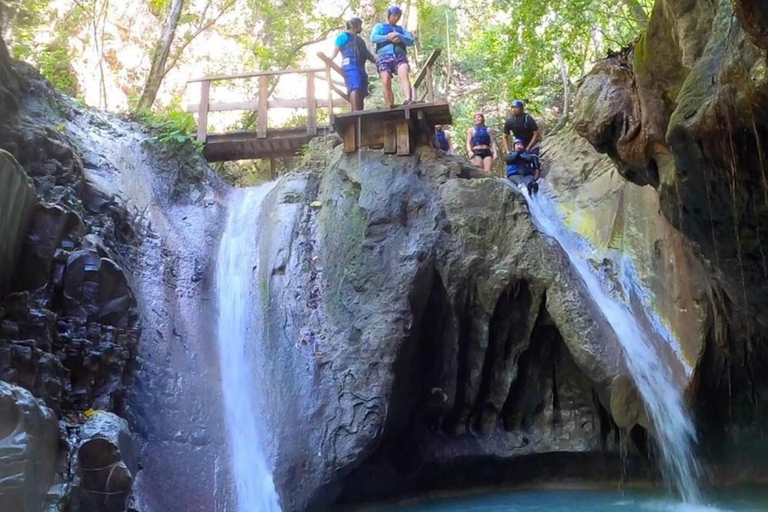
{"points": [[545, 401]]}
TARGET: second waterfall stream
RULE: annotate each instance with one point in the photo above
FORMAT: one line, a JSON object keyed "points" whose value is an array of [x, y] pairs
{"points": [[663, 399], [238, 332]]}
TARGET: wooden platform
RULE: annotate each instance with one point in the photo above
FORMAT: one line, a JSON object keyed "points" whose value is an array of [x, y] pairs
{"points": [[247, 145], [396, 130]]}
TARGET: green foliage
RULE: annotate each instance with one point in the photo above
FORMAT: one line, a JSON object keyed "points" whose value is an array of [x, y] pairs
{"points": [[173, 127]]}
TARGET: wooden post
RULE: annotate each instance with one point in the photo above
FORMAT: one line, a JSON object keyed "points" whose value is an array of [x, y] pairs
{"points": [[430, 85], [351, 144], [202, 120], [330, 91], [311, 105], [261, 131], [403, 138]]}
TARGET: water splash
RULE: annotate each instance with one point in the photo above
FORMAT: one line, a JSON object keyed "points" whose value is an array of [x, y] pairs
{"points": [[654, 378], [236, 334]]}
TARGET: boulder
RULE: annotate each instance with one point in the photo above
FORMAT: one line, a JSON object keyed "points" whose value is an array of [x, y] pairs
{"points": [[106, 464], [28, 449]]}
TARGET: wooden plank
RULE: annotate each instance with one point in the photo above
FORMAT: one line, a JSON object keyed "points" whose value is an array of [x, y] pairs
{"points": [[254, 105], [261, 129], [216, 78], [202, 121], [330, 63], [330, 92], [390, 137], [334, 82], [311, 105], [350, 139], [403, 138], [223, 107], [430, 85], [422, 74]]}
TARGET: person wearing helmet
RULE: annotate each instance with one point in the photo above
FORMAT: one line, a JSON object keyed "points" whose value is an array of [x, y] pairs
{"points": [[391, 42], [443, 139], [523, 167], [522, 126], [354, 53], [481, 144]]}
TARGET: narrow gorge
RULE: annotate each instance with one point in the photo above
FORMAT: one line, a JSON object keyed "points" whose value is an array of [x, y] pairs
{"points": [[371, 328]]}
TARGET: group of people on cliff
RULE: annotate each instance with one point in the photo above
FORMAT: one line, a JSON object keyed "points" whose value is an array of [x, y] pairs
{"points": [[391, 42]]}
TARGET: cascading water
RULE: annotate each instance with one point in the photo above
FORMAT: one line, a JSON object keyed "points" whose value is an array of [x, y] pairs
{"points": [[663, 400], [237, 332]]}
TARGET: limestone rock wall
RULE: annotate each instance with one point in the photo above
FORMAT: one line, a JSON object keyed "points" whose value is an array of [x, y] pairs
{"points": [[421, 334], [684, 112]]}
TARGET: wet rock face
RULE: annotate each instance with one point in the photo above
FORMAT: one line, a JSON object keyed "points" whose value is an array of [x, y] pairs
{"points": [[28, 446], [418, 330], [18, 201], [68, 318], [698, 78]]}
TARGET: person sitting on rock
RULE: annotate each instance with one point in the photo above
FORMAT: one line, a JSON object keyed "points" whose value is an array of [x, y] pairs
{"points": [[354, 54], [391, 42], [443, 140], [481, 144], [523, 167]]}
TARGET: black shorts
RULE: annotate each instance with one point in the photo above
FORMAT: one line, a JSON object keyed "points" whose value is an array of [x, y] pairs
{"points": [[482, 153]]}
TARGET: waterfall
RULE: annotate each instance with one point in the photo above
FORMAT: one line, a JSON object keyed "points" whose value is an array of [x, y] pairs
{"points": [[664, 402], [237, 333]]}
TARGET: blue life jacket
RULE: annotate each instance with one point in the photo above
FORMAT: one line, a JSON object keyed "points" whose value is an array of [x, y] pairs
{"points": [[524, 164], [388, 29], [481, 137], [350, 53], [442, 140]]}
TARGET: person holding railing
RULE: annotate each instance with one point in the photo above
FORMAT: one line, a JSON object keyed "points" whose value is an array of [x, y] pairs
{"points": [[354, 54], [391, 42]]}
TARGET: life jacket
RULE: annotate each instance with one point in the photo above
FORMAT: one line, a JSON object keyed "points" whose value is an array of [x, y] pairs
{"points": [[350, 52], [388, 29], [524, 164], [442, 140], [480, 136]]}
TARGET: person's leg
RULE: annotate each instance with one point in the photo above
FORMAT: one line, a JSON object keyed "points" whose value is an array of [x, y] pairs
{"points": [[488, 164], [405, 81], [353, 99], [477, 161], [386, 86]]}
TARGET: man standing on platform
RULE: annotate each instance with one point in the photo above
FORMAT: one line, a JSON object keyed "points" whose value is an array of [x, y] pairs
{"points": [[391, 41], [354, 53], [524, 127]]}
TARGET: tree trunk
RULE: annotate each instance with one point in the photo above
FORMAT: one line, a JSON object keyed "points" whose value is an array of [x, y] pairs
{"points": [[160, 57], [638, 12], [566, 88]]}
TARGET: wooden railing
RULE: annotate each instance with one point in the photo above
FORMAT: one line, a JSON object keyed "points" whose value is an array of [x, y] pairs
{"points": [[332, 74], [263, 103], [426, 77]]}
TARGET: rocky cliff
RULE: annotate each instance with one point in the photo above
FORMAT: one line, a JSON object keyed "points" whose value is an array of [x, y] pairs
{"points": [[684, 112], [94, 215], [421, 333]]}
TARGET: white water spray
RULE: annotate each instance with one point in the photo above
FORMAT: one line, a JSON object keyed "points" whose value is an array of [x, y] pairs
{"points": [[663, 399], [236, 334]]}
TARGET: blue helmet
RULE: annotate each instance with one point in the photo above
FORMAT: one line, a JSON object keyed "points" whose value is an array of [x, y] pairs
{"points": [[519, 141], [518, 103], [394, 10]]}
